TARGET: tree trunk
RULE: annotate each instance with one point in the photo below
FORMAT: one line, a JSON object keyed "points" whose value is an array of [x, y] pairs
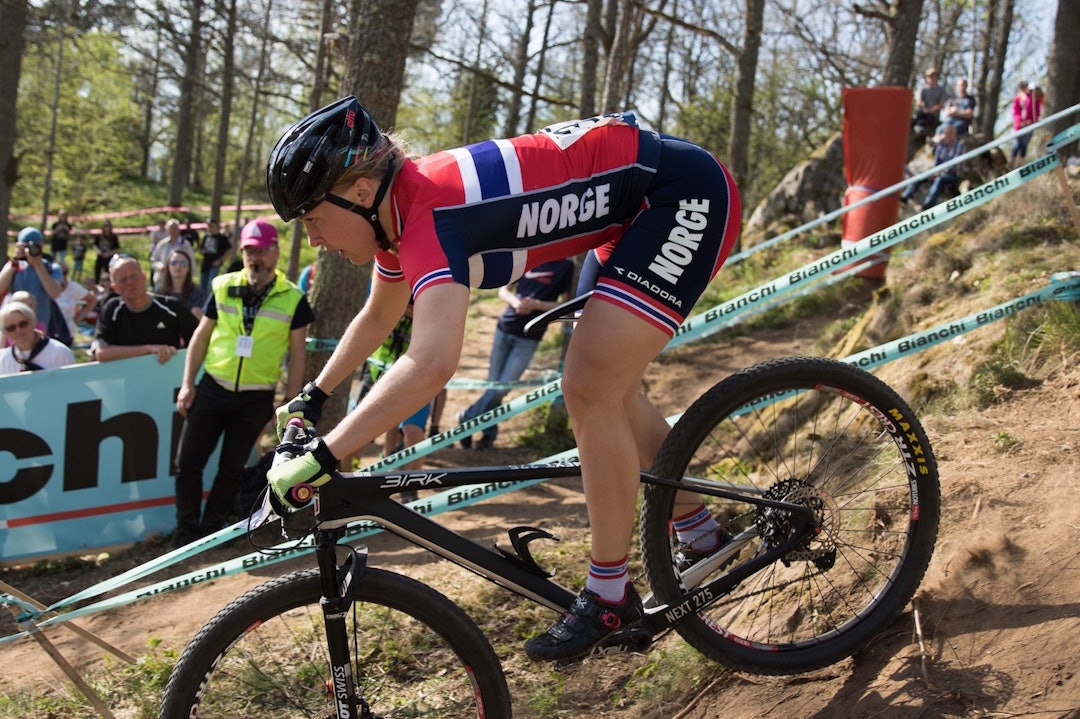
{"points": [[591, 40], [541, 65], [13, 20], [666, 72], [521, 65], [227, 73], [627, 34], [742, 104], [185, 120], [987, 115], [245, 157], [296, 237], [988, 112], [902, 30], [1063, 85], [374, 73], [146, 137], [54, 111], [471, 108]]}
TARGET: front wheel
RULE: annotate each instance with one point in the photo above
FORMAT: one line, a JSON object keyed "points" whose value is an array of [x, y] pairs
{"points": [[814, 432], [414, 654]]}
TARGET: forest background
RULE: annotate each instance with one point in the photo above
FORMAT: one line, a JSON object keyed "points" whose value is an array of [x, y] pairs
{"points": [[98, 97]]}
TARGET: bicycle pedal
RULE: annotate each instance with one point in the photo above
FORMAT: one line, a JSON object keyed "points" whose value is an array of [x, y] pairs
{"points": [[567, 666]]}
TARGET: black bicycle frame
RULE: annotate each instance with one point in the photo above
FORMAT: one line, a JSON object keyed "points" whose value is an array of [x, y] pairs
{"points": [[366, 496]]}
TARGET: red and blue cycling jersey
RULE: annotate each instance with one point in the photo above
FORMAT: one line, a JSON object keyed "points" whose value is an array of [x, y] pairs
{"points": [[482, 215]]}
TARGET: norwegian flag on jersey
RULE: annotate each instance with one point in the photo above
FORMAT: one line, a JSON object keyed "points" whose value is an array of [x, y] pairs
{"points": [[530, 199]]}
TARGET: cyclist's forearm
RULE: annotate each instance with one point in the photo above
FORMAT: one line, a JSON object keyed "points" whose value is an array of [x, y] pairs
{"points": [[400, 391], [360, 339]]}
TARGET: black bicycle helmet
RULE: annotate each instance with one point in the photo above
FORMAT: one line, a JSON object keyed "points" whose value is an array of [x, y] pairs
{"points": [[312, 155]]}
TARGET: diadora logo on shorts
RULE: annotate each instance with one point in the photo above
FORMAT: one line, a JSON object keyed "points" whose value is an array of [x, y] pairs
{"points": [[540, 217], [682, 241]]}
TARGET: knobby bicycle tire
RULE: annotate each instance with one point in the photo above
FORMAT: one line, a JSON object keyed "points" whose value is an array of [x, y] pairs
{"points": [[414, 653], [819, 433]]}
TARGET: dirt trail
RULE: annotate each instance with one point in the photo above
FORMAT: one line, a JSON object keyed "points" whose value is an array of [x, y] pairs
{"points": [[999, 610]]}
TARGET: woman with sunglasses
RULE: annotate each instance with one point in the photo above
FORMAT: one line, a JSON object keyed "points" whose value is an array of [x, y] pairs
{"points": [[177, 281], [30, 348]]}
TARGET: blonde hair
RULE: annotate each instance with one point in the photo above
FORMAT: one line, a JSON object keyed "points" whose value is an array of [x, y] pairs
{"points": [[21, 307], [387, 155], [25, 298]]}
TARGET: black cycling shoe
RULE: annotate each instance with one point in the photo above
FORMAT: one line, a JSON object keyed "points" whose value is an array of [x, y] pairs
{"points": [[587, 623]]}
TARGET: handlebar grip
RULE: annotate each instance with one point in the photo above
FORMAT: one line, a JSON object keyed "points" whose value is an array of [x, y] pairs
{"points": [[294, 432], [294, 435]]}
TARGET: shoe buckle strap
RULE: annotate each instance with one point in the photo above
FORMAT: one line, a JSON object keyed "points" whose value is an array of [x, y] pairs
{"points": [[610, 619]]}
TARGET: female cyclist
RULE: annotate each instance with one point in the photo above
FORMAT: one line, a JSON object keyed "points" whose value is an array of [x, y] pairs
{"points": [[664, 214]]}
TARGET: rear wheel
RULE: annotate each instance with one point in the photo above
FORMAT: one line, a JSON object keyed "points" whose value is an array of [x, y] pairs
{"points": [[415, 654], [815, 432]]}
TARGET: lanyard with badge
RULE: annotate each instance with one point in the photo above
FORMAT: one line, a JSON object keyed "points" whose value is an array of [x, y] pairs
{"points": [[250, 300]]}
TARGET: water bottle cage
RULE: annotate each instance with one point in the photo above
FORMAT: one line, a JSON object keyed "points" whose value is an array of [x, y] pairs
{"points": [[520, 537]]}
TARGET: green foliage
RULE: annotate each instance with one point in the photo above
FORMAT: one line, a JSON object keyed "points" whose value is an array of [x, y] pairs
{"points": [[1004, 443], [1033, 339], [1039, 334], [678, 671], [703, 123], [96, 126], [130, 690], [992, 377], [548, 431], [475, 106]]}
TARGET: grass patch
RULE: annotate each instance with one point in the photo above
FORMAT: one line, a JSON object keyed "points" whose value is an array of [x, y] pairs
{"points": [[548, 430]]}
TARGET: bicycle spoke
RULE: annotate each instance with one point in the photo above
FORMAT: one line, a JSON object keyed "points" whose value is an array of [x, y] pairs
{"points": [[786, 431]]}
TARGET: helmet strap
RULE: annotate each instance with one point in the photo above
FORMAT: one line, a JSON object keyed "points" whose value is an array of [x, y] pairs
{"points": [[371, 214]]}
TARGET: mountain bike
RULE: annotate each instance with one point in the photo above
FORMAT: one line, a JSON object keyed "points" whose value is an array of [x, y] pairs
{"points": [[820, 475]]}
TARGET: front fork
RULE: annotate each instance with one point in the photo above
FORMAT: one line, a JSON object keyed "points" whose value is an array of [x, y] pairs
{"points": [[337, 599]]}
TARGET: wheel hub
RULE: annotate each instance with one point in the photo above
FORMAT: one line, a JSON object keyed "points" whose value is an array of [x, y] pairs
{"points": [[775, 526]]}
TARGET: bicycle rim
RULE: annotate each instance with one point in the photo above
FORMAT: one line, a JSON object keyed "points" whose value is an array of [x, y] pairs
{"points": [[817, 433], [415, 654]]}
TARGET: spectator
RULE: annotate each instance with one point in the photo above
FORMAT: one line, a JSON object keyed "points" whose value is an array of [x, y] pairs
{"points": [[253, 319], [960, 109], [158, 234], [177, 282], [538, 291], [58, 238], [931, 101], [27, 299], [135, 322], [30, 348], [190, 235], [159, 255], [1023, 112], [102, 290], [216, 249], [107, 245], [78, 256], [31, 270], [1038, 99], [75, 302], [947, 147]]}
